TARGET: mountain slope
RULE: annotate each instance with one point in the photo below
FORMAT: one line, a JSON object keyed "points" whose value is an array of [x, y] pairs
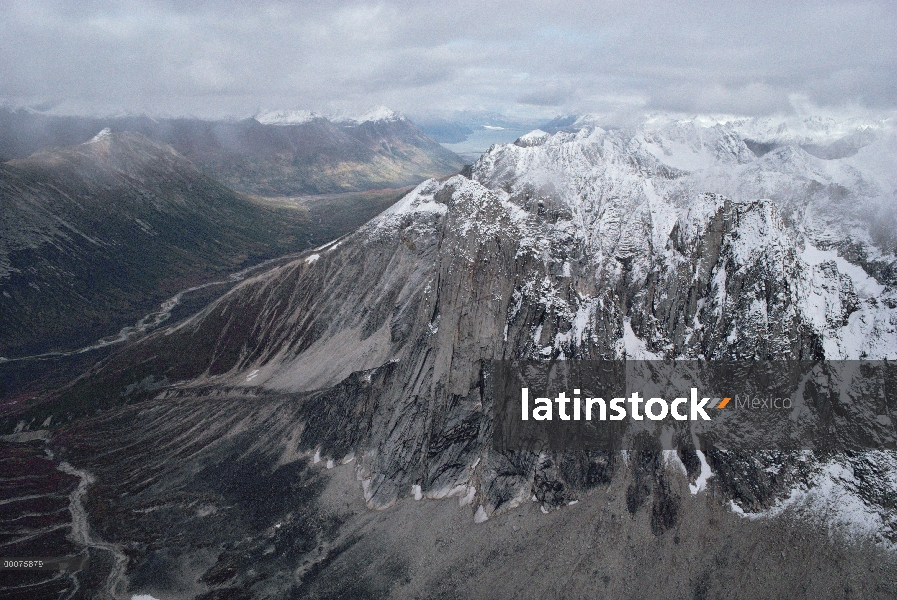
{"points": [[95, 234], [586, 246]]}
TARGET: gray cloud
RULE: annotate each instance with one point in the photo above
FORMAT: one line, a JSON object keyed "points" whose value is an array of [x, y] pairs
{"points": [[530, 59]]}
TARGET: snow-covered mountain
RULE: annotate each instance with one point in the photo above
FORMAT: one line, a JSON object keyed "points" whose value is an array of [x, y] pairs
{"points": [[778, 130], [670, 240], [286, 117], [376, 114], [623, 194]]}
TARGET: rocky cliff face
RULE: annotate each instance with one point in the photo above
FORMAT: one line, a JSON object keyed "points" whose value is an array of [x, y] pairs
{"points": [[670, 243]]}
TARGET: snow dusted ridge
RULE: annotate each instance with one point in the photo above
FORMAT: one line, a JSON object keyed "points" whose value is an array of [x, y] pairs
{"points": [[102, 135], [286, 117], [298, 117], [806, 129], [380, 113], [534, 138], [797, 241], [723, 252], [625, 195]]}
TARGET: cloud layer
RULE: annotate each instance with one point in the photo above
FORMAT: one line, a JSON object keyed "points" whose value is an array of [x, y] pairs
{"points": [[527, 59]]}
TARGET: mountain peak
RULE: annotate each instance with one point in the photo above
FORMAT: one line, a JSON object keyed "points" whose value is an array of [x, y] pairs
{"points": [[109, 154], [103, 134], [286, 117], [378, 114], [533, 138]]}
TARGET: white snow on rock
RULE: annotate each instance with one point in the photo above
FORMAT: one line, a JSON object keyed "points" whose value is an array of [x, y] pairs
{"points": [[380, 113], [865, 285], [594, 205], [299, 117], [869, 334], [671, 457], [103, 134], [286, 117], [705, 474], [636, 348], [420, 199], [802, 130], [622, 191], [533, 138], [833, 492], [467, 499]]}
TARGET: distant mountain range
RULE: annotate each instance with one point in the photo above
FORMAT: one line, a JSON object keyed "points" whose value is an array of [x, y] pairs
{"points": [[279, 153]]}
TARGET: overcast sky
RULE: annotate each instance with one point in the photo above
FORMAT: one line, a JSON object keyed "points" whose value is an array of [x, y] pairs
{"points": [[527, 59]]}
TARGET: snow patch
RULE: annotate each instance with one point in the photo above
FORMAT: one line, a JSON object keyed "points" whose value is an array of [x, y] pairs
{"points": [[636, 348], [865, 285], [701, 482], [680, 155], [102, 135], [832, 493], [418, 200], [480, 516], [671, 457], [531, 139]]}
